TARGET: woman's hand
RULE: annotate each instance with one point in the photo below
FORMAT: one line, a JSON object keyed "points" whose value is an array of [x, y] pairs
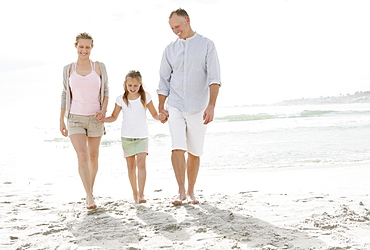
{"points": [[63, 128], [100, 116]]}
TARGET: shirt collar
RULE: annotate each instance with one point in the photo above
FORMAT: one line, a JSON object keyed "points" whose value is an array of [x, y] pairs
{"points": [[190, 38]]}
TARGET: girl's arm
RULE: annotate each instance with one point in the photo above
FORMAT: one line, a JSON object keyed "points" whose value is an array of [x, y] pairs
{"points": [[114, 114], [154, 112]]}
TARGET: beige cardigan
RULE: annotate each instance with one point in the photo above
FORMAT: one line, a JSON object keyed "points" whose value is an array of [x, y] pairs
{"points": [[66, 94]]}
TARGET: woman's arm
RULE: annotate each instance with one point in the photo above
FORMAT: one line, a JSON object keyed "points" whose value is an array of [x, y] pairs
{"points": [[101, 71], [64, 99], [102, 113], [62, 125]]}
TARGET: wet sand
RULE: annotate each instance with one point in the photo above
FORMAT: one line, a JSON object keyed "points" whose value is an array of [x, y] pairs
{"points": [[318, 208]]}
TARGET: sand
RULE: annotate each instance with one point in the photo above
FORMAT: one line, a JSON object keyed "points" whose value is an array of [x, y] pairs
{"points": [[325, 207]]}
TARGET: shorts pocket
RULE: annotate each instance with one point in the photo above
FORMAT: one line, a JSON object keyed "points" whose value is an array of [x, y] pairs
{"points": [[97, 124], [73, 123]]}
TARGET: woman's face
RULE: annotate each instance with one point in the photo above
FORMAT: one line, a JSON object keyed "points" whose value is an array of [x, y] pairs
{"points": [[84, 47], [132, 85]]}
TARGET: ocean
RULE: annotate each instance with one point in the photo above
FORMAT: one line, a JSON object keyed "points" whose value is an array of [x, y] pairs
{"points": [[240, 137]]}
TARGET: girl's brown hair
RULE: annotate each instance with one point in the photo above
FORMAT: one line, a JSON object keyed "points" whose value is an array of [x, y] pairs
{"points": [[136, 75]]}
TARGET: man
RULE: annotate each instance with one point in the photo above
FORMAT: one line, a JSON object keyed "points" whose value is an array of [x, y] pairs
{"points": [[189, 82]]}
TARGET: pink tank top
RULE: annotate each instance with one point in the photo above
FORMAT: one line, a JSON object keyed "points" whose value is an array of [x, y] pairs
{"points": [[85, 92]]}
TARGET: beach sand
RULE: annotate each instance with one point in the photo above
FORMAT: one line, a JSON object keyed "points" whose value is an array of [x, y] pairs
{"points": [[325, 207]]}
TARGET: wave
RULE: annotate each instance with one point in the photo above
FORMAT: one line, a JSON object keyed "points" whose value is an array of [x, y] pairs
{"points": [[245, 117], [311, 113], [302, 114], [160, 136], [57, 140]]}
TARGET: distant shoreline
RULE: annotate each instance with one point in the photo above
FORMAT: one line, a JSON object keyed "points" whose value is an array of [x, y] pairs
{"points": [[358, 97]]}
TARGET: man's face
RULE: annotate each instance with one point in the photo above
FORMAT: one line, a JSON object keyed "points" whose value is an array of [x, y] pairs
{"points": [[180, 26]]}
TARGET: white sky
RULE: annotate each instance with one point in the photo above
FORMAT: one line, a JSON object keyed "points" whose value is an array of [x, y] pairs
{"points": [[270, 50]]}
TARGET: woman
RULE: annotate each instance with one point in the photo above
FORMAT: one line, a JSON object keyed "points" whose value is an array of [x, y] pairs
{"points": [[84, 104]]}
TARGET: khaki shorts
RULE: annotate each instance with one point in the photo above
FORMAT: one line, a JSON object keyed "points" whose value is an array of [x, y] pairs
{"points": [[85, 124]]}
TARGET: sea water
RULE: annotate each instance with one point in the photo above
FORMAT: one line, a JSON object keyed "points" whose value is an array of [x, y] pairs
{"points": [[240, 137]]}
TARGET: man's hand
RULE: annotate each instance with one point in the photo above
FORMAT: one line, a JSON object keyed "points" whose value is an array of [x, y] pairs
{"points": [[163, 116], [208, 114]]}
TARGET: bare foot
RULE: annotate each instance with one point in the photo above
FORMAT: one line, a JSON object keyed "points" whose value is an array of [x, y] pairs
{"points": [[136, 198], [93, 206], [178, 201], [90, 203], [192, 199], [141, 199]]}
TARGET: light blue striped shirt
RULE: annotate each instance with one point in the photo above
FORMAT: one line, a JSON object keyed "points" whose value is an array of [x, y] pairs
{"points": [[187, 69]]}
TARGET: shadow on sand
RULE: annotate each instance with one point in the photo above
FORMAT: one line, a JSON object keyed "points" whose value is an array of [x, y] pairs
{"points": [[206, 225]]}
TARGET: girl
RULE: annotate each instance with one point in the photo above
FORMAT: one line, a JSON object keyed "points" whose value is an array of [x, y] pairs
{"points": [[84, 104], [134, 130]]}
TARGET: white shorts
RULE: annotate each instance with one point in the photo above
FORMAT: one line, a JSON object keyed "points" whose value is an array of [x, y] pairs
{"points": [[187, 131]]}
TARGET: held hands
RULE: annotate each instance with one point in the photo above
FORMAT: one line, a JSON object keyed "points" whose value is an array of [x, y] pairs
{"points": [[208, 115], [100, 116], [163, 116]]}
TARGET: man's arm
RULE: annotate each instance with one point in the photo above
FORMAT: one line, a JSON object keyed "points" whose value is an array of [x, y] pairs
{"points": [[210, 110], [161, 110]]}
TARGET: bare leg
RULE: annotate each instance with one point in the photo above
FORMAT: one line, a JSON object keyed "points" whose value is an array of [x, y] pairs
{"points": [[193, 169], [79, 142], [141, 175], [131, 167], [179, 167], [93, 144]]}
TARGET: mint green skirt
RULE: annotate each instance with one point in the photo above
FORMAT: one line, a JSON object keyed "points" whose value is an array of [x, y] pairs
{"points": [[134, 146]]}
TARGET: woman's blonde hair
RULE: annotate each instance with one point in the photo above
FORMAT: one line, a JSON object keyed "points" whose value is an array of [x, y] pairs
{"points": [[135, 74], [84, 35]]}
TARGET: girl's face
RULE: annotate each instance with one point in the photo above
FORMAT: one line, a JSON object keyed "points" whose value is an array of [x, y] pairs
{"points": [[132, 85], [84, 47]]}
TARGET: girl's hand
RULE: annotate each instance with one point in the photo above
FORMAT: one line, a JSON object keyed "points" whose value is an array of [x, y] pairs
{"points": [[163, 116]]}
